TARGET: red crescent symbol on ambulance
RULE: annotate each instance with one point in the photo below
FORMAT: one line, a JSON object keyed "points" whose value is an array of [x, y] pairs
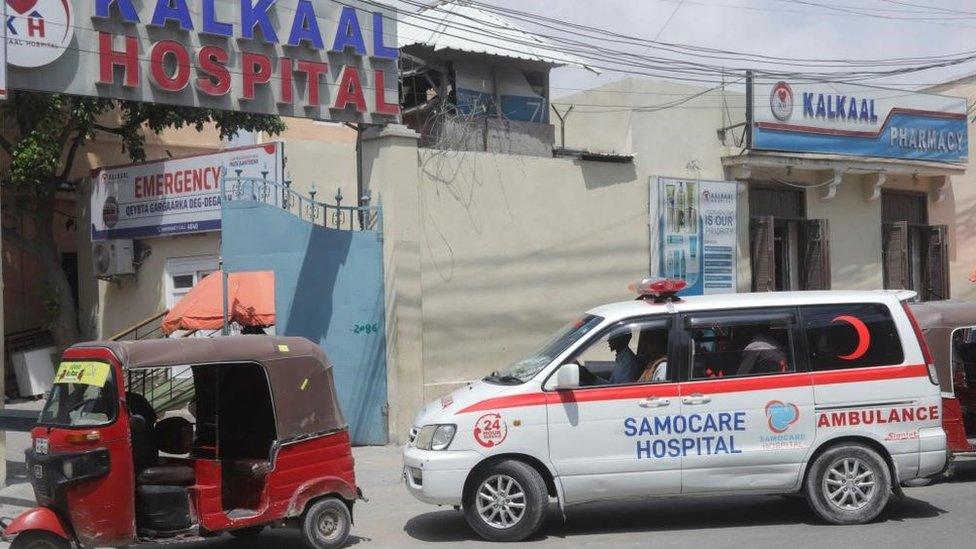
{"points": [[863, 337]]}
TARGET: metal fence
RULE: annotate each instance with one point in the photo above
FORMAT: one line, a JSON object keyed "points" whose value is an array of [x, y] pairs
{"points": [[306, 208]]}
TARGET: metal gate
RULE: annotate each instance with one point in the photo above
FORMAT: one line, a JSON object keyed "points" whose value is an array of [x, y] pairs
{"points": [[328, 266]]}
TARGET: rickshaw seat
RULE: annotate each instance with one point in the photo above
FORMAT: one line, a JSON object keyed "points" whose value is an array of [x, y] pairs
{"points": [[166, 475], [256, 469]]}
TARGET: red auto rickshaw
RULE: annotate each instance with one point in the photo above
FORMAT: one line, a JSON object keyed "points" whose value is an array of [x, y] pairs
{"points": [[179, 439], [950, 331]]}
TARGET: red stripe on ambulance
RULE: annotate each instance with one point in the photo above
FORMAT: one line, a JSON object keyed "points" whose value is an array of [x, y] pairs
{"points": [[715, 386]]}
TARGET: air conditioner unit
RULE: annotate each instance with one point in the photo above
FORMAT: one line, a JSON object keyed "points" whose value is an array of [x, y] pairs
{"points": [[113, 257]]}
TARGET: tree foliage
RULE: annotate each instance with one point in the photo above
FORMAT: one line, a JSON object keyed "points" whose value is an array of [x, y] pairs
{"points": [[50, 128]]}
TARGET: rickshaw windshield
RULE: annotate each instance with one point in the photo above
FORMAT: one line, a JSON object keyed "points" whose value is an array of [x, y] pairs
{"points": [[83, 395]]}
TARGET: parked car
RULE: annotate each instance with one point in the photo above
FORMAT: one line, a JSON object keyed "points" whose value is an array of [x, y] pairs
{"points": [[268, 445], [830, 394], [950, 329]]}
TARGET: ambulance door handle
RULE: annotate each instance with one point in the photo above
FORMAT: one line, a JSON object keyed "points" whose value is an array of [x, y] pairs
{"points": [[696, 398], [654, 402]]}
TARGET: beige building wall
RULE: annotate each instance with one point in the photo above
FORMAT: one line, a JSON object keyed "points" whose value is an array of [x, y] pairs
{"points": [[669, 135], [514, 247], [958, 210]]}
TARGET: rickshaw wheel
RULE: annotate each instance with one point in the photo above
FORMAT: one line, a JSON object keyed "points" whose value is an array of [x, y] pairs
{"points": [[326, 524], [39, 540], [250, 532]]}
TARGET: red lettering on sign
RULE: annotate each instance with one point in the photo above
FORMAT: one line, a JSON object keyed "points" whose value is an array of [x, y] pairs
{"points": [[157, 69], [382, 107], [313, 70], [350, 90], [109, 58], [215, 79], [284, 69], [35, 27], [257, 70]]}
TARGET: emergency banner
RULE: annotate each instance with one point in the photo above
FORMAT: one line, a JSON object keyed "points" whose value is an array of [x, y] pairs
{"points": [[301, 58], [696, 233], [854, 120], [173, 196]]}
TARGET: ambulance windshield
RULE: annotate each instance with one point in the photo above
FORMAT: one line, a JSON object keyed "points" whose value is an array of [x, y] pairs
{"points": [[524, 369]]}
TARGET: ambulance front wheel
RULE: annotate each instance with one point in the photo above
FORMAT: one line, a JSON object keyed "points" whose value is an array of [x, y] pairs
{"points": [[848, 484], [506, 501]]}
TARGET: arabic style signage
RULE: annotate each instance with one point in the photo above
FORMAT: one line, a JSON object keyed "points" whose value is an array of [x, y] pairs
{"points": [[696, 233], [303, 58], [175, 196], [839, 118]]}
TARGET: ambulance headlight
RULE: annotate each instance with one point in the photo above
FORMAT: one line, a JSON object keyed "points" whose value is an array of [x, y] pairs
{"points": [[436, 437]]}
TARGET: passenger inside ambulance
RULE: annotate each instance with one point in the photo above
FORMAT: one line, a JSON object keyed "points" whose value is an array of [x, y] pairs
{"points": [[613, 360], [741, 350]]}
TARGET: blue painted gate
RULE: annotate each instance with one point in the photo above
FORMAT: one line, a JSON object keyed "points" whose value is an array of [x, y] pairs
{"points": [[328, 267]]}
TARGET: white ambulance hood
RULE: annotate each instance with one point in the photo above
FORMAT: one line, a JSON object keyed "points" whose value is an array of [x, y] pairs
{"points": [[443, 409]]}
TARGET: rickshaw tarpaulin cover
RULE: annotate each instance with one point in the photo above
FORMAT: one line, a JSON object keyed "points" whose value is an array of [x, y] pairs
{"points": [[250, 302], [299, 374]]}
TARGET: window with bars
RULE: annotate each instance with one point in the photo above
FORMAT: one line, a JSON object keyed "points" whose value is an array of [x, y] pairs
{"points": [[787, 251], [915, 254]]}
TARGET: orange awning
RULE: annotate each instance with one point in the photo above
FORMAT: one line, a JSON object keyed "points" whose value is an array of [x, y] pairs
{"points": [[250, 302]]}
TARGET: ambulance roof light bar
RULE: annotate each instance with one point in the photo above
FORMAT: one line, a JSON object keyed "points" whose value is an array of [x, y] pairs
{"points": [[659, 290]]}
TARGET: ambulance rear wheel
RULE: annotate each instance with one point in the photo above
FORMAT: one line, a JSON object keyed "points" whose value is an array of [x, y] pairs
{"points": [[506, 501], [848, 484]]}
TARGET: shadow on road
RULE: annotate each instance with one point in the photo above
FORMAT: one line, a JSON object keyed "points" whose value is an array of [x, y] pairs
{"points": [[660, 515]]}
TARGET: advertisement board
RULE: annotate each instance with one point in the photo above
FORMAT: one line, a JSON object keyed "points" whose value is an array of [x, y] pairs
{"points": [[848, 119], [696, 233], [173, 196], [302, 58]]}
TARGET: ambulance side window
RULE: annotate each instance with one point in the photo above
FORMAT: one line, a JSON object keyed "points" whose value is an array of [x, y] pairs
{"points": [[630, 352], [851, 335], [738, 347]]}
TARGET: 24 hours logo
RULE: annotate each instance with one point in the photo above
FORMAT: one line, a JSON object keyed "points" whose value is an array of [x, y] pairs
{"points": [[490, 430]]}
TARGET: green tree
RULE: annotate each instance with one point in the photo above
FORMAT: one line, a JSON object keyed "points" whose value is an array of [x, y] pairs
{"points": [[42, 136]]}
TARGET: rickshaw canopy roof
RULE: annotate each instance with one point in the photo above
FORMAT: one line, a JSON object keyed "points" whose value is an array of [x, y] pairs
{"points": [[945, 314], [299, 374], [938, 320]]}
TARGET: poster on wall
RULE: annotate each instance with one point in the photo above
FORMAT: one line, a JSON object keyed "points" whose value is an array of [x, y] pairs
{"points": [[173, 196], [697, 233]]}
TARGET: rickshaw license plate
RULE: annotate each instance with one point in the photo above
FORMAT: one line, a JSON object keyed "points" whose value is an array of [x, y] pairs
{"points": [[38, 472], [40, 445]]}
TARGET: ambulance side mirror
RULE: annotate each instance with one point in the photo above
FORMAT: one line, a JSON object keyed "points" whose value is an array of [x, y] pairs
{"points": [[567, 377]]}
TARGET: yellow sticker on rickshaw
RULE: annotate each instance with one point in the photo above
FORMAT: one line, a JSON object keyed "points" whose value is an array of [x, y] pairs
{"points": [[86, 373]]}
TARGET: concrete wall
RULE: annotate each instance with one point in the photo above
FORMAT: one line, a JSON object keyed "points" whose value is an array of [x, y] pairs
{"points": [[485, 255], [513, 247], [855, 234], [669, 135]]}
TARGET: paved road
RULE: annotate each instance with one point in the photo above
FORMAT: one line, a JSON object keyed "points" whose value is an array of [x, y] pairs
{"points": [[939, 516]]}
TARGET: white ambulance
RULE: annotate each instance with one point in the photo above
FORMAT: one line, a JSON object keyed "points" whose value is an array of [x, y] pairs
{"points": [[829, 394]]}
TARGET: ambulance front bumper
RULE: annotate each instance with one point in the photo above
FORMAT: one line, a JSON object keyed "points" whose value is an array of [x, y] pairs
{"points": [[437, 477]]}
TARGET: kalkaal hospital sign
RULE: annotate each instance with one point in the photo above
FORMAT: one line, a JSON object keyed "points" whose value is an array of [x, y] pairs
{"points": [[318, 59]]}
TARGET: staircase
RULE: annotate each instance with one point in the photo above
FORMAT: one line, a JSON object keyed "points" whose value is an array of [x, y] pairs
{"points": [[164, 388]]}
